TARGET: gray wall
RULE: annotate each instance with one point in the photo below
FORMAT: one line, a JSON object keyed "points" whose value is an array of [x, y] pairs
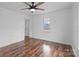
{"points": [[75, 28], [60, 26], [12, 27]]}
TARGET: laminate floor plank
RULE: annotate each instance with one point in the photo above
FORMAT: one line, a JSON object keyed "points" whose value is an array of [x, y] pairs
{"points": [[36, 48]]}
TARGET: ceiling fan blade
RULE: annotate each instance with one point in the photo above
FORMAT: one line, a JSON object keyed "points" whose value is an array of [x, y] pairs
{"points": [[25, 8], [39, 9], [27, 3], [38, 4]]}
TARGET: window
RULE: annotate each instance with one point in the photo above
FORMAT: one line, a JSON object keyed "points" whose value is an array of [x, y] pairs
{"points": [[46, 24]]}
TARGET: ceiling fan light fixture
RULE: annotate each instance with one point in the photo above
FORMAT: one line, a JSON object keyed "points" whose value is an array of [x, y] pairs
{"points": [[32, 10]]}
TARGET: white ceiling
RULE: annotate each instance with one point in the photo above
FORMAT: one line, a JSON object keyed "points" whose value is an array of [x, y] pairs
{"points": [[48, 6]]}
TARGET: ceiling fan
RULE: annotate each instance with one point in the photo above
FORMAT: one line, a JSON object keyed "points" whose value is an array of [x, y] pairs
{"points": [[32, 7]]}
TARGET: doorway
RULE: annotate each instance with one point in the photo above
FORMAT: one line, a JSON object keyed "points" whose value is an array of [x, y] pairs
{"points": [[27, 29]]}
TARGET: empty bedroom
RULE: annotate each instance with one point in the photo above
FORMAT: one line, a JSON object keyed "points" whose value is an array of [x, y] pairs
{"points": [[39, 29]]}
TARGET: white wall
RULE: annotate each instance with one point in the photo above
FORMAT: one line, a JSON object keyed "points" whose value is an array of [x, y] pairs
{"points": [[60, 26], [12, 27]]}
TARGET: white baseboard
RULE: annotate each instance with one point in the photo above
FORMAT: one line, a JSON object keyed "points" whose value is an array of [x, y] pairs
{"points": [[51, 40], [74, 52]]}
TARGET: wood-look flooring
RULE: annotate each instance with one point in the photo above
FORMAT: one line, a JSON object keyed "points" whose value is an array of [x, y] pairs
{"points": [[36, 48]]}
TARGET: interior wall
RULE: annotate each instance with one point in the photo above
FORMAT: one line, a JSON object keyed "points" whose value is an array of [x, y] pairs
{"points": [[60, 26], [12, 27], [75, 28]]}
